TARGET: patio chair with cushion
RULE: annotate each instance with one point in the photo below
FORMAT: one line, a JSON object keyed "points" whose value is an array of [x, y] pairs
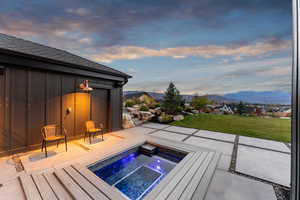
{"points": [[92, 130], [53, 133]]}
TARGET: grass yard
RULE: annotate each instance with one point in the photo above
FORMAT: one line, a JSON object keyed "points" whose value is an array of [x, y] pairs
{"points": [[265, 128]]}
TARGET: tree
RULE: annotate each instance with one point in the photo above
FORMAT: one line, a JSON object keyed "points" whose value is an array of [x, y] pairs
{"points": [[241, 108], [200, 102], [172, 99]]}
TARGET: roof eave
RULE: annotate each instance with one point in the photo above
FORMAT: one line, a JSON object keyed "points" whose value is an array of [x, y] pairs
{"points": [[40, 58]]}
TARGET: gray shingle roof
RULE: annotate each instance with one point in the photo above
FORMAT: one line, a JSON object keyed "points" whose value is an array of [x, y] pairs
{"points": [[28, 48]]}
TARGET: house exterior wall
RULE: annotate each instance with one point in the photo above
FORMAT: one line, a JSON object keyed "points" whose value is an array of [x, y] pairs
{"points": [[31, 98]]}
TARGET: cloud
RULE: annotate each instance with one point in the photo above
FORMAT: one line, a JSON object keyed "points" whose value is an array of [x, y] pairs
{"points": [[85, 40], [263, 68], [259, 75], [276, 71], [111, 19], [79, 11], [269, 47]]}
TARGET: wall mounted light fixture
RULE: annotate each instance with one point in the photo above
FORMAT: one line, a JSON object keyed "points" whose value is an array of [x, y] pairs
{"points": [[85, 86]]}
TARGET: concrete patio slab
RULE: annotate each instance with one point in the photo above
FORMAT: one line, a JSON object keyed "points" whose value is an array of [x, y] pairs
{"points": [[8, 170], [155, 125], [138, 130], [36, 160], [223, 147], [77, 150], [181, 130], [264, 164], [97, 142], [216, 135], [267, 144], [224, 162], [169, 135], [227, 186]]}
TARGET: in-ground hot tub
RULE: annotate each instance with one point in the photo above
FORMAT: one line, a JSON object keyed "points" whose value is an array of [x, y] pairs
{"points": [[137, 171]]}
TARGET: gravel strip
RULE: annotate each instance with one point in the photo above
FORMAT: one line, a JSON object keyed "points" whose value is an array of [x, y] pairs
{"points": [[234, 154]]}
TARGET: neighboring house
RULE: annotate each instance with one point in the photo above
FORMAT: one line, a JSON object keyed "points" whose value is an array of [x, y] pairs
{"points": [[259, 111], [283, 113], [288, 111], [140, 96], [228, 109], [39, 85]]}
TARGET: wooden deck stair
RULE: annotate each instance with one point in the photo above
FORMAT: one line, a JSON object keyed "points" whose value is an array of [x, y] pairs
{"points": [[73, 182], [188, 180]]}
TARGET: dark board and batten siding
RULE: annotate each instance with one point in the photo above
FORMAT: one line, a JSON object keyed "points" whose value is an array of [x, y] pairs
{"points": [[31, 98]]}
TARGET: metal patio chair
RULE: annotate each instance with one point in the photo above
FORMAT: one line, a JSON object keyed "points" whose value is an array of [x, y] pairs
{"points": [[92, 130], [53, 133]]}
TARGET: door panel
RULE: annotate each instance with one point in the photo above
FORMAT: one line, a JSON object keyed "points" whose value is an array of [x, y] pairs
{"points": [[53, 107], [18, 108], [99, 106], [82, 111], [37, 96]]}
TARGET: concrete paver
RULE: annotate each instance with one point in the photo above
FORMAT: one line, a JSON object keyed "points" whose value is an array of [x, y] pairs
{"points": [[223, 147], [169, 135], [155, 125], [181, 130], [227, 186], [267, 144], [264, 164], [216, 135]]}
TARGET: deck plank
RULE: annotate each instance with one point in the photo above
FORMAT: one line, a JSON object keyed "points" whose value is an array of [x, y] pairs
{"points": [[85, 184], [152, 195], [176, 179], [44, 188], [29, 187], [202, 187], [109, 191], [70, 185], [186, 180], [200, 173], [56, 186]]}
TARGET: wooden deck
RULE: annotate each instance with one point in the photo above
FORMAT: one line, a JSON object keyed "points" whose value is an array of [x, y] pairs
{"points": [[188, 180], [72, 182]]}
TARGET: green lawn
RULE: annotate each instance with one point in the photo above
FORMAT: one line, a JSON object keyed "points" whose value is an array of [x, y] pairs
{"points": [[265, 128]]}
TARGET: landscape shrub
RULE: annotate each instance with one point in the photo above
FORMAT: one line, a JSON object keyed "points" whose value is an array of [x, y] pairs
{"points": [[179, 109], [144, 108], [188, 109], [166, 118], [154, 105], [129, 103]]}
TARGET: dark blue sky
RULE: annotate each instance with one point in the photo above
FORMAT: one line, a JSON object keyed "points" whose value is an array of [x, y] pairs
{"points": [[207, 46]]}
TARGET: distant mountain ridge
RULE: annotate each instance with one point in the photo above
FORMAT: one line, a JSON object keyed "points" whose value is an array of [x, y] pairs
{"points": [[263, 97]]}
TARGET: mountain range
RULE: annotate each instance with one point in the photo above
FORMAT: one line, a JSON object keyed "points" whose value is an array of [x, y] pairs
{"points": [[261, 97], [264, 97]]}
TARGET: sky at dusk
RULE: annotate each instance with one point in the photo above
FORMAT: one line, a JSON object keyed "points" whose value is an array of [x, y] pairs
{"points": [[205, 47]]}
